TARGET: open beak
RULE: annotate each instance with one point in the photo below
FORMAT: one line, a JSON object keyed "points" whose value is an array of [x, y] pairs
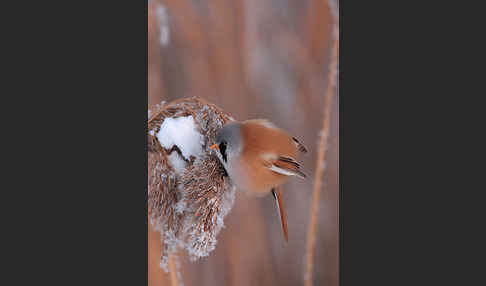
{"points": [[214, 146]]}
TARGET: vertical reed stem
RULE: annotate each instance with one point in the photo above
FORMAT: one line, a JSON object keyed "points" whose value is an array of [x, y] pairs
{"points": [[173, 270], [321, 157]]}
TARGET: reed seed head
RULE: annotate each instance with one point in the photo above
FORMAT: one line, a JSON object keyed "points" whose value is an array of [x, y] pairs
{"points": [[189, 194]]}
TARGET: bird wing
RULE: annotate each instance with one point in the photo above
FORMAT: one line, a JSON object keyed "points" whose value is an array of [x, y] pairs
{"points": [[285, 166], [300, 146]]}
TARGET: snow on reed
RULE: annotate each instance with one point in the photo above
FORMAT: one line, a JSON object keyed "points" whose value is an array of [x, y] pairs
{"points": [[189, 192]]}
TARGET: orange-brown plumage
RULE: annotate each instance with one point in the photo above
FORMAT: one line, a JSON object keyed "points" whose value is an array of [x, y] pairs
{"points": [[260, 140], [259, 158]]}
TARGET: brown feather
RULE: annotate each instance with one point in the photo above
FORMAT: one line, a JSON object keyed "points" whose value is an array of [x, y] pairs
{"points": [[259, 140], [290, 165], [300, 146], [277, 194], [263, 138]]}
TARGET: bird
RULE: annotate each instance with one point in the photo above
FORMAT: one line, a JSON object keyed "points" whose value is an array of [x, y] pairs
{"points": [[259, 158]]}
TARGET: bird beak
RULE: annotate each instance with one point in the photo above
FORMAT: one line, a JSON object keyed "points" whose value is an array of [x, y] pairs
{"points": [[214, 146]]}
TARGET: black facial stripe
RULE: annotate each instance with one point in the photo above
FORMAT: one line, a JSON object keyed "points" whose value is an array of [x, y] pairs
{"points": [[222, 149]]}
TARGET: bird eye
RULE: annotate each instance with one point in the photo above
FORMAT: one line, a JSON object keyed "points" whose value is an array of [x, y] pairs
{"points": [[222, 149]]}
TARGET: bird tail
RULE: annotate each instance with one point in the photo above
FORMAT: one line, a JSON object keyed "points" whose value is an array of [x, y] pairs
{"points": [[277, 194]]}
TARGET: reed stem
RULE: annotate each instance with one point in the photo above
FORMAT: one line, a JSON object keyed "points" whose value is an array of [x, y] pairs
{"points": [[173, 270], [321, 157]]}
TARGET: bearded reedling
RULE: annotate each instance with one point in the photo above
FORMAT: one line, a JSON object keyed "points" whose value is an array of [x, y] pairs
{"points": [[259, 158]]}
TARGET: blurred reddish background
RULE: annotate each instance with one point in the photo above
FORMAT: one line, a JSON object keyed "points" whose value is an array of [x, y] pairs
{"points": [[255, 59]]}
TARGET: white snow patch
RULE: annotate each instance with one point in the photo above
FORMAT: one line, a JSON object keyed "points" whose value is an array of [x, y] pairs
{"points": [[177, 163], [182, 132]]}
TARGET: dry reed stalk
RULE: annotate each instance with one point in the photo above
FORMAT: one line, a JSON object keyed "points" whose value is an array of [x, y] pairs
{"points": [[173, 270], [156, 277], [318, 12], [155, 83], [321, 157], [192, 41], [225, 54]]}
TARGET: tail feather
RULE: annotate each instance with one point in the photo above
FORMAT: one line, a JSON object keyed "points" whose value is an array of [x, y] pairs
{"points": [[281, 211]]}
